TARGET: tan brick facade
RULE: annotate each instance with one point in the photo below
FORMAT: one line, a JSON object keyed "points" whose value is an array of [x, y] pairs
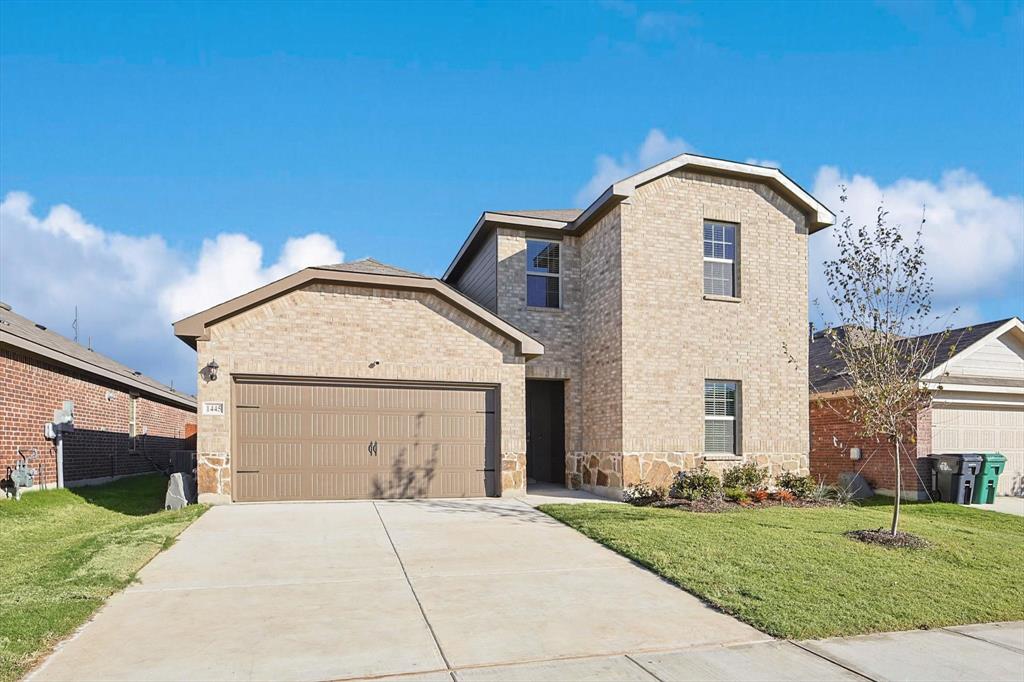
{"points": [[674, 337], [339, 331], [636, 338]]}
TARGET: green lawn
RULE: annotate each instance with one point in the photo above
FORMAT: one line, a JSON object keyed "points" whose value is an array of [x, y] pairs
{"points": [[63, 552], [791, 573]]}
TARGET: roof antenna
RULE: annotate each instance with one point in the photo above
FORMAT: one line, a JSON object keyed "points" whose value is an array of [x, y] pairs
{"points": [[74, 325]]}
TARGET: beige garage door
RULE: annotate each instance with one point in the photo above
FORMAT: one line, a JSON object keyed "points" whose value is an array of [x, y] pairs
{"points": [[302, 441], [984, 429]]}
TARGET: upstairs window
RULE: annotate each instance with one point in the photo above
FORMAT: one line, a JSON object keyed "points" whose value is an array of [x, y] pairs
{"points": [[720, 258], [720, 423], [543, 274]]}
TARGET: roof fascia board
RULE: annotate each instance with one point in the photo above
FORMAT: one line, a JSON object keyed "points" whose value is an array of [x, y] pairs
{"points": [[489, 220], [948, 387], [506, 219], [977, 399], [194, 327], [831, 395], [821, 217], [95, 370], [596, 209], [465, 247], [1011, 324]]}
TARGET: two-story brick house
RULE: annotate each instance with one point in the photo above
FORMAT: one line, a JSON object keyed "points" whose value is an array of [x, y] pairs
{"points": [[597, 347]]}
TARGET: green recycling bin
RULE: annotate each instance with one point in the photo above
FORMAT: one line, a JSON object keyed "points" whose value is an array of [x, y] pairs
{"points": [[988, 478]]}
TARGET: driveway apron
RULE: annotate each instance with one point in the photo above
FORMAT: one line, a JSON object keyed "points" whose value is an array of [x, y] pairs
{"points": [[318, 591]]}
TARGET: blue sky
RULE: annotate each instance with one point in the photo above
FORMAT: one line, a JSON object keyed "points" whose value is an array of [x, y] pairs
{"points": [[389, 128]]}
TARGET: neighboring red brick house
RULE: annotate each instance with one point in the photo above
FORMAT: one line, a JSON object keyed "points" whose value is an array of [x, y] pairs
{"points": [[833, 437], [977, 405], [124, 423]]}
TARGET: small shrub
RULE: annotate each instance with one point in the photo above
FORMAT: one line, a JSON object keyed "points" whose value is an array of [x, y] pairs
{"points": [[842, 494], [800, 486], [821, 493], [697, 484], [736, 495], [759, 495], [642, 494], [784, 496], [747, 476]]}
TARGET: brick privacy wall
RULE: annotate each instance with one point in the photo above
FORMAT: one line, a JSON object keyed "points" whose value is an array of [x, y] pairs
{"points": [[832, 436], [31, 388], [337, 331], [673, 338]]}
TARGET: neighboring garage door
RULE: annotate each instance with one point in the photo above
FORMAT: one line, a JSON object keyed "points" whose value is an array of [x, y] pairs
{"points": [[314, 441], [984, 429]]}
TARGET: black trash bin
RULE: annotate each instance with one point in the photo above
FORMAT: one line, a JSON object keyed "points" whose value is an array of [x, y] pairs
{"points": [[953, 476]]}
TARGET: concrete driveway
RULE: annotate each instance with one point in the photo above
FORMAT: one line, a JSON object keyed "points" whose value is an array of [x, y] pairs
{"points": [[366, 589]]}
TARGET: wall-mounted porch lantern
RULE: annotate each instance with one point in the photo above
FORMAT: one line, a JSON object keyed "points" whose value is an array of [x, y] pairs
{"points": [[209, 373]]}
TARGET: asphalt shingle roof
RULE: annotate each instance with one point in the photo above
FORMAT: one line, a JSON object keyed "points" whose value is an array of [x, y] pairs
{"points": [[24, 328], [827, 373], [566, 215], [369, 266]]}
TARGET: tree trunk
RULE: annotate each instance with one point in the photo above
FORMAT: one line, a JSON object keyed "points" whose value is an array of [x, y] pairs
{"points": [[899, 490]]}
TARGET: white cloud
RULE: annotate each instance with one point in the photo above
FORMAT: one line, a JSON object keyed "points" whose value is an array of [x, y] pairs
{"points": [[973, 238], [770, 163], [232, 264], [130, 289], [652, 25], [655, 148]]}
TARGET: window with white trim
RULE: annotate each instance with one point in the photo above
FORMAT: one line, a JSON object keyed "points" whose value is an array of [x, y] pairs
{"points": [[133, 422], [720, 416], [543, 274], [720, 258]]}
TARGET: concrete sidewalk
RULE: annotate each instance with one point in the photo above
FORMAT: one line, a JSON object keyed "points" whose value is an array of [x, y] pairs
{"points": [[974, 653], [1006, 505]]}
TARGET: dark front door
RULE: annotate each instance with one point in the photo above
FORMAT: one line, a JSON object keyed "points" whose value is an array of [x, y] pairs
{"points": [[545, 431]]}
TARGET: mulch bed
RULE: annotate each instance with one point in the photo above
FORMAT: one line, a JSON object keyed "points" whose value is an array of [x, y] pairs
{"points": [[887, 539], [716, 506]]}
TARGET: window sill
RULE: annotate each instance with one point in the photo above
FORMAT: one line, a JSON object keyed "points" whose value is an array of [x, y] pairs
{"points": [[543, 309], [722, 299], [721, 457]]}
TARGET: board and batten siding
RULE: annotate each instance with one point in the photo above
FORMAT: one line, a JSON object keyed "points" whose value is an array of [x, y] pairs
{"points": [[479, 279]]}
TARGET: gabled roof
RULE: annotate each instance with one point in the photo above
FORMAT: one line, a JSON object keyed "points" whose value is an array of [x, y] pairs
{"points": [[369, 266], [24, 334], [367, 273], [574, 221], [561, 214], [827, 373]]}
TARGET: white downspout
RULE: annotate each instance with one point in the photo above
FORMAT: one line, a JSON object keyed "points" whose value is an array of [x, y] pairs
{"points": [[60, 459]]}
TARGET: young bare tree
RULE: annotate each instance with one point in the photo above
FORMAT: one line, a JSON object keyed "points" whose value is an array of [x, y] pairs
{"points": [[881, 296]]}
